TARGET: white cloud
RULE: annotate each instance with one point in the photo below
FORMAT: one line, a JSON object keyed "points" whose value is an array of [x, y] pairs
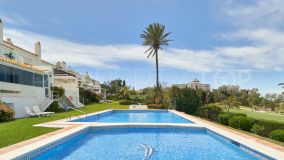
{"points": [[109, 56], [14, 19], [266, 56], [265, 13], [260, 27]]}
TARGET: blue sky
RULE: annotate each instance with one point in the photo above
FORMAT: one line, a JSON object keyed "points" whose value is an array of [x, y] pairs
{"points": [[237, 42]]}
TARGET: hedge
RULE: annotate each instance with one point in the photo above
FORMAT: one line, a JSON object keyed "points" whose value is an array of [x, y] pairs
{"points": [[126, 102], [6, 113], [257, 129], [277, 135], [224, 118], [237, 114], [156, 106], [269, 126], [210, 111], [240, 122]]}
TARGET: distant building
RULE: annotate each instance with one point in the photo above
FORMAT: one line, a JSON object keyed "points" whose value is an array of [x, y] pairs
{"points": [[86, 82], [195, 84]]}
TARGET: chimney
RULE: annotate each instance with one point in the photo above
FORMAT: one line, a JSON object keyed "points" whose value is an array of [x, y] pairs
{"points": [[9, 40], [38, 49], [1, 31]]}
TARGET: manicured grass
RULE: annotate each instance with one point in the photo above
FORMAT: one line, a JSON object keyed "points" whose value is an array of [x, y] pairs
{"points": [[259, 115], [22, 129]]}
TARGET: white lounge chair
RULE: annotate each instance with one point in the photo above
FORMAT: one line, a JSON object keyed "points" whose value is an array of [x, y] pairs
{"points": [[32, 114], [138, 107], [37, 110]]}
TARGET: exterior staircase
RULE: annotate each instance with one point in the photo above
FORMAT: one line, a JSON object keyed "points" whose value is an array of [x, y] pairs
{"points": [[45, 103], [65, 103], [81, 102]]}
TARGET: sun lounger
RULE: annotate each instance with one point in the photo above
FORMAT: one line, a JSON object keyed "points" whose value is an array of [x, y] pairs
{"points": [[31, 113], [37, 110], [138, 107]]}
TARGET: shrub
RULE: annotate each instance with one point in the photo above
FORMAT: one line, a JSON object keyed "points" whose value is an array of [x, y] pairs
{"points": [[126, 102], [157, 106], [92, 96], [210, 111], [213, 111], [257, 129], [237, 114], [269, 126], [6, 113], [54, 107], [277, 135], [224, 118], [202, 112], [186, 99], [240, 122], [59, 90]]}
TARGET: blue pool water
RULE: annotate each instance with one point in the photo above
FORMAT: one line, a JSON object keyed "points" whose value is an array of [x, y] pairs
{"points": [[135, 116], [151, 143]]}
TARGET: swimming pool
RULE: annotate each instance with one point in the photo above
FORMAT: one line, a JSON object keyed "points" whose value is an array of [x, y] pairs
{"points": [[135, 116], [155, 143]]}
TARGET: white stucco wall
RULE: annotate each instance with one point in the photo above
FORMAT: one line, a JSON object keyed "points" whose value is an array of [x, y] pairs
{"points": [[70, 85], [28, 96]]}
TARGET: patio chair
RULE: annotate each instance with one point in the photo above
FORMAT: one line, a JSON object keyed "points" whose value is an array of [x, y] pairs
{"points": [[37, 110], [32, 114]]}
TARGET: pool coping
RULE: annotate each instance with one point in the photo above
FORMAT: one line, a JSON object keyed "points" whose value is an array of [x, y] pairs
{"points": [[69, 128], [249, 141]]}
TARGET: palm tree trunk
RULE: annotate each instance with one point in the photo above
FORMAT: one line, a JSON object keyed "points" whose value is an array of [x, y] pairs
{"points": [[157, 75]]}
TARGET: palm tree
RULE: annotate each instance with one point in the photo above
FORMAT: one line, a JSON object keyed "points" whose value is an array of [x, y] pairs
{"points": [[10, 55], [125, 91], [155, 36]]}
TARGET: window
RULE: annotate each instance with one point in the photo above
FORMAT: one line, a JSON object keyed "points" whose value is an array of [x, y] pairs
{"points": [[2, 73], [18, 76], [45, 81], [38, 81]]}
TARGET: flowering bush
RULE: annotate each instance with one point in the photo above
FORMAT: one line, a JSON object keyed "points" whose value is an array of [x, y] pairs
{"points": [[6, 113]]}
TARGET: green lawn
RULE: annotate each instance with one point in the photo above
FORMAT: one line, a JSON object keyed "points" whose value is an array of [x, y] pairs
{"points": [[259, 115], [22, 129]]}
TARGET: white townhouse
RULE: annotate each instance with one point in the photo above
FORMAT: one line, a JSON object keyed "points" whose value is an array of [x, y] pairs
{"points": [[25, 79], [86, 82], [67, 78]]}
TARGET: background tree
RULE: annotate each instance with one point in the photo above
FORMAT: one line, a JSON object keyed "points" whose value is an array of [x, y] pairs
{"points": [[231, 102], [155, 36], [253, 98], [186, 100], [125, 90]]}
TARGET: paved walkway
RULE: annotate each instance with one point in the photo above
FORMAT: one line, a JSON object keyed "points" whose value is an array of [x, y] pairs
{"points": [[258, 140]]}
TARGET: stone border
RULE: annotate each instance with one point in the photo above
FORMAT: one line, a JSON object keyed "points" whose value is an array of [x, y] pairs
{"points": [[264, 147]]}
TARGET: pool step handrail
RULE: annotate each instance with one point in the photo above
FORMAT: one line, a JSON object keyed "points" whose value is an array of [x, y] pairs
{"points": [[172, 106], [75, 109]]}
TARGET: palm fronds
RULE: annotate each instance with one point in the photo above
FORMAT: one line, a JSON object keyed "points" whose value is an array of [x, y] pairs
{"points": [[154, 36]]}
